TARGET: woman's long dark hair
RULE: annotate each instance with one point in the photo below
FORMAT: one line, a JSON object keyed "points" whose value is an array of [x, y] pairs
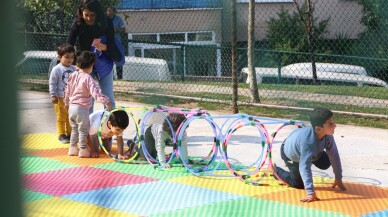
{"points": [[95, 6]]}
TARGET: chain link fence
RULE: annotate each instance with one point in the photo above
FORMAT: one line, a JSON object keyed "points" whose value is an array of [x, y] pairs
{"points": [[330, 53]]}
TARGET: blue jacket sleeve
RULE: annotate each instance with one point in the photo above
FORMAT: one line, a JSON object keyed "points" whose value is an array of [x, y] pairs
{"points": [[307, 152], [332, 152]]}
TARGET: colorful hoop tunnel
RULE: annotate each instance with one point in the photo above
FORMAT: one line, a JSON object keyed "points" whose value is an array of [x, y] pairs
{"points": [[240, 122], [232, 124], [298, 124], [212, 154], [136, 125], [268, 157], [161, 110], [148, 157]]}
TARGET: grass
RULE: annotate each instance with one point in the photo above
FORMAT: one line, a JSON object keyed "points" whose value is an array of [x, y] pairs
{"points": [[283, 101], [363, 91], [252, 110]]}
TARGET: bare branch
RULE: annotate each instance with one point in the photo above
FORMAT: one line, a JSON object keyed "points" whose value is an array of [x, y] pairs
{"points": [[301, 17]]}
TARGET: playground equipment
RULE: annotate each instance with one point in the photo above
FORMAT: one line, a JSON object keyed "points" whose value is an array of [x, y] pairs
{"points": [[223, 127]]}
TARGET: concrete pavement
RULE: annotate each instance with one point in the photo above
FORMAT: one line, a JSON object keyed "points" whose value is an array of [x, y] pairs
{"points": [[363, 151]]}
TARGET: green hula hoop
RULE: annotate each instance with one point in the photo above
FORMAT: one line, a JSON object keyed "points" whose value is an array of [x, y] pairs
{"points": [[128, 110]]}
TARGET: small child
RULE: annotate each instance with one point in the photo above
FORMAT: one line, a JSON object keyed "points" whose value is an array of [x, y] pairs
{"points": [[57, 85], [310, 145], [80, 89], [115, 124], [157, 136]]}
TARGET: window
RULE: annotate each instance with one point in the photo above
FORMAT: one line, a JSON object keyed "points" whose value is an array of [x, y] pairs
{"points": [[186, 60], [145, 38], [178, 37], [138, 52], [200, 36]]}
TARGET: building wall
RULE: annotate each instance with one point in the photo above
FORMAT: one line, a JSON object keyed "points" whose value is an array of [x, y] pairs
{"points": [[345, 17], [159, 21], [263, 13]]}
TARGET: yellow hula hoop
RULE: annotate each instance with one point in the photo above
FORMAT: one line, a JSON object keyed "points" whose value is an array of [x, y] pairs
{"points": [[128, 110]]}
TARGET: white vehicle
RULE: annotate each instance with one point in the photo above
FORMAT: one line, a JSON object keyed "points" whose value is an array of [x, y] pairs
{"points": [[145, 69], [38, 62], [135, 68], [326, 72]]}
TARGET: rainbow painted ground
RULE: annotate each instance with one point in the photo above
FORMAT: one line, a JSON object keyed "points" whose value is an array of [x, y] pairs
{"points": [[58, 185]]}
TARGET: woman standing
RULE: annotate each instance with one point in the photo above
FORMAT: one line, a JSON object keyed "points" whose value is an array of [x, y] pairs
{"points": [[95, 32]]}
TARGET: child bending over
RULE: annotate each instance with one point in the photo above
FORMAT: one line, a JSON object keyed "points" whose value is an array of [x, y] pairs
{"points": [[157, 136], [310, 145], [115, 124], [80, 89]]}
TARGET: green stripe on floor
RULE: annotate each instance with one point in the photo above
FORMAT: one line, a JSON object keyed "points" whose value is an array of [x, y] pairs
{"points": [[33, 195], [33, 164]]}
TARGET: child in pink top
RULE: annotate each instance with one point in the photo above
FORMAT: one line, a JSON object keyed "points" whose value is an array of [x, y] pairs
{"points": [[80, 89]]}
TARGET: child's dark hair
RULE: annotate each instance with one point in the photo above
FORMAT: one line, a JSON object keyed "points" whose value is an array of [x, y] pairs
{"points": [[119, 119], [86, 59], [175, 120], [319, 116], [65, 48]]}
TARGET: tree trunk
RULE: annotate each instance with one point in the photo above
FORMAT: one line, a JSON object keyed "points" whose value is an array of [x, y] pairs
{"points": [[234, 57], [310, 39], [307, 20], [251, 56]]}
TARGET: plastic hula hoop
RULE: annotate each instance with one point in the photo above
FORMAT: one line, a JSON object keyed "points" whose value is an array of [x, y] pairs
{"points": [[136, 136]]}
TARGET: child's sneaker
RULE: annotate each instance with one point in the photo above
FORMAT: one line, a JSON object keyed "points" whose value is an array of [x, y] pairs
{"points": [[84, 153], [130, 144], [73, 151], [64, 139]]}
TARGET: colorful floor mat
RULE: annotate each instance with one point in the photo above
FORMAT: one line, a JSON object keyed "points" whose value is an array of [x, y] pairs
{"points": [[59, 185]]}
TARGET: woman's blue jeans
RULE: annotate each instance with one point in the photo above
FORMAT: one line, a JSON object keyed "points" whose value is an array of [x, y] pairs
{"points": [[106, 85]]}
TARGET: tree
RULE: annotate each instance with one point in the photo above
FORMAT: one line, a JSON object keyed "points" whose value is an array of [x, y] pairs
{"points": [[251, 47], [306, 20], [47, 22], [287, 32], [234, 56], [52, 16], [372, 42]]}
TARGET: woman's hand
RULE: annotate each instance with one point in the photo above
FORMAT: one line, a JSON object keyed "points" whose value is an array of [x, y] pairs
{"points": [[101, 47], [108, 106]]}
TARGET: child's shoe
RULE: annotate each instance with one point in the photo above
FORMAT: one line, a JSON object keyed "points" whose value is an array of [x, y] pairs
{"points": [[73, 151], [130, 144], [84, 153], [64, 139]]}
